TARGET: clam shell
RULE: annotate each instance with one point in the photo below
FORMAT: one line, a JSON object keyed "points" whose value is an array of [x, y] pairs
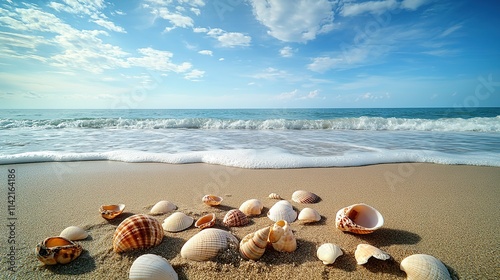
{"points": [[424, 267], [287, 241], [365, 251], [74, 233], [274, 196], [110, 212], [302, 196], [162, 207], [254, 244], [207, 244], [359, 218], [57, 250], [282, 210], [176, 222], [235, 218], [211, 200], [309, 215], [328, 253], [205, 221], [251, 207], [153, 267], [137, 232]]}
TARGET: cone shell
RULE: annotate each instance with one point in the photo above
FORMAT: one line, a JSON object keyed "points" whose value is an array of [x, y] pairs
{"points": [[205, 221], [328, 253], [251, 207], [359, 218], [235, 218], [57, 250], [366, 251], [207, 244], [309, 215], [282, 210], [274, 196], [424, 267], [137, 232], [287, 241], [162, 207], [110, 212], [152, 267], [176, 222], [211, 200], [302, 196], [74, 233], [254, 244]]}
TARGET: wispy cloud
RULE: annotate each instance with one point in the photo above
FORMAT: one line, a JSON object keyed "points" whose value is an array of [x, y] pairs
{"points": [[287, 51], [229, 39], [206, 52]]}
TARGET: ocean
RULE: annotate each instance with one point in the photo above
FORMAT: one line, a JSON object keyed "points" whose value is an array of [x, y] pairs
{"points": [[254, 138]]}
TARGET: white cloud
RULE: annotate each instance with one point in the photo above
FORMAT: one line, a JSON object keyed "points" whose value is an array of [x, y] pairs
{"points": [[229, 39], [271, 73], [200, 30], [413, 4], [287, 95], [158, 60], [380, 7], [450, 30], [311, 95], [109, 25], [287, 51], [221, 59], [176, 19], [194, 75], [206, 52]]}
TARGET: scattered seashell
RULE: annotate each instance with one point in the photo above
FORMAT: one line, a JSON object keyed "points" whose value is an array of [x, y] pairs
{"points": [[137, 232], [176, 222], [74, 233], [304, 197], [286, 242], [235, 218], [328, 253], [359, 218], [309, 215], [162, 207], [254, 244], [212, 200], [207, 243], [275, 196], [424, 267], [205, 221], [282, 210], [251, 207], [110, 212], [154, 267], [365, 251], [57, 250]]}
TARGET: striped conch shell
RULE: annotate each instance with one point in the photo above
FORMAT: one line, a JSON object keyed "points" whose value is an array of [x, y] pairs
{"points": [[254, 244], [359, 218], [74, 233], [286, 242], [251, 207], [328, 253], [137, 232], [235, 218], [302, 196], [211, 200], [424, 267], [150, 266], [366, 251], [57, 250], [162, 207], [274, 196], [207, 244], [110, 212]]}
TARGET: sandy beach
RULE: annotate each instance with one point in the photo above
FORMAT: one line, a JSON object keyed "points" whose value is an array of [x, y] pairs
{"points": [[448, 211]]}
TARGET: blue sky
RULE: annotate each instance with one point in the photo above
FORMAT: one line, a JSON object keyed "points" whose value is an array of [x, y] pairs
{"points": [[249, 54]]}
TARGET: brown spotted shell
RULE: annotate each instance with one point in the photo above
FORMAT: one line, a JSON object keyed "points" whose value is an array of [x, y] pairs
{"points": [[205, 221], [211, 200], [306, 197], [110, 212], [58, 250], [235, 218], [137, 232]]}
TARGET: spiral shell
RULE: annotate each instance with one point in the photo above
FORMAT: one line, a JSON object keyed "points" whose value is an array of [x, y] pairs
{"points": [[176, 222], [110, 212], [366, 251], [74, 233], [57, 250], [207, 244], [359, 218], [153, 267], [205, 221], [302, 196], [424, 267], [282, 210], [309, 215], [211, 200], [287, 241], [254, 244], [251, 207], [162, 207], [137, 232], [328, 253], [274, 196], [235, 218]]}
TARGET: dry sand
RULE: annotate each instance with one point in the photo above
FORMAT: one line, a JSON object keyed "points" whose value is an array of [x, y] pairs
{"points": [[450, 212]]}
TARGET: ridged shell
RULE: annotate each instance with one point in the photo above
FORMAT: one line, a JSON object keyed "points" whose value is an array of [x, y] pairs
{"points": [[287, 241], [366, 251], [57, 250], [424, 267], [282, 210], [309, 215], [251, 207], [328, 253], [359, 218], [152, 267], [74, 233], [302, 196], [211, 200], [162, 207], [205, 221], [207, 244], [235, 218], [137, 232], [254, 244], [274, 196], [176, 222], [110, 212]]}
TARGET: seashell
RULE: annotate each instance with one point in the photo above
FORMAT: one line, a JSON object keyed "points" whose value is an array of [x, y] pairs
{"points": [[254, 244], [205, 221], [137, 232], [282, 210], [251, 207], [304, 197], [365, 251], [57, 250], [274, 196], [110, 212], [176, 222], [212, 200], [162, 207], [359, 218], [235, 218], [424, 267], [74, 233], [207, 243], [309, 215], [154, 267], [328, 253], [287, 241]]}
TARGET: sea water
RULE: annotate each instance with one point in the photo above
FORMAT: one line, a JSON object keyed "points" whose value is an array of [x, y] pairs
{"points": [[254, 138]]}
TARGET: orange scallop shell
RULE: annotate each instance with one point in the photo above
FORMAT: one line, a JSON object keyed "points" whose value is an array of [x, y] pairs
{"points": [[137, 232]]}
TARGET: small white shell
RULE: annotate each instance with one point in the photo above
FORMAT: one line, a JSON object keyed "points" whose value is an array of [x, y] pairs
{"points": [[282, 210], [251, 207], [328, 253], [176, 222], [152, 267], [309, 215], [274, 196], [74, 233], [424, 267], [301, 196], [365, 251], [207, 243], [359, 218], [162, 207]]}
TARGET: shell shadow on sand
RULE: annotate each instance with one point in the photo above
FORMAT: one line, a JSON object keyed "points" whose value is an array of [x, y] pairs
{"points": [[85, 263], [116, 221], [388, 236], [301, 255]]}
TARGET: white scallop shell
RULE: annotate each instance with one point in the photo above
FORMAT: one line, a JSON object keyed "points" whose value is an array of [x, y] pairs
{"points": [[302, 196], [207, 243], [152, 267], [328, 253], [176, 222], [365, 251], [74, 233], [282, 210], [359, 218], [251, 207], [309, 215], [274, 196], [162, 207], [424, 267]]}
